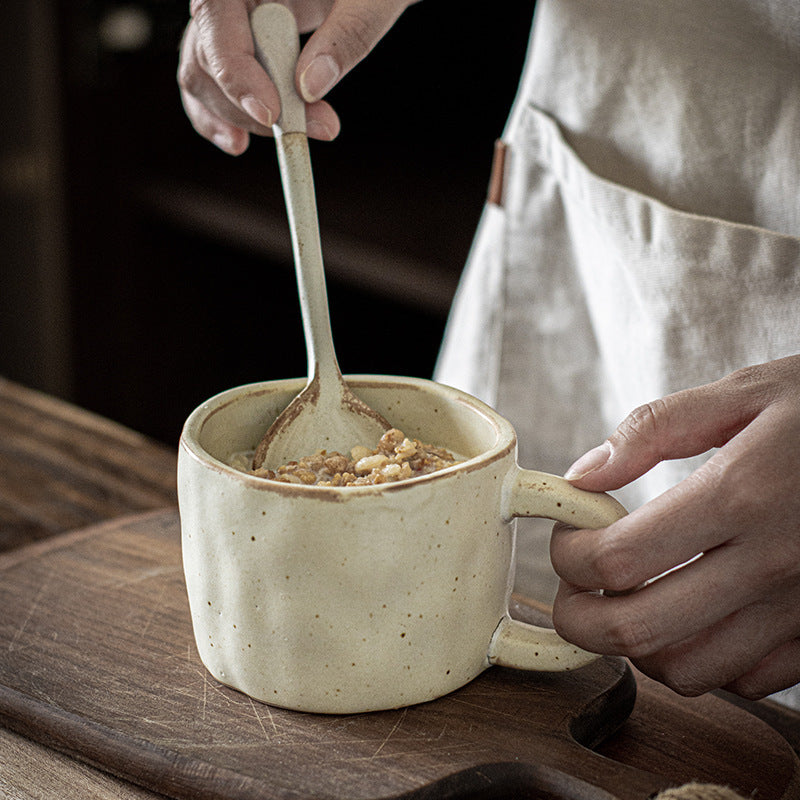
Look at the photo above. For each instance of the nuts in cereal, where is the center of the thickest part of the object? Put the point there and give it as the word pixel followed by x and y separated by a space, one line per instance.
pixel 396 458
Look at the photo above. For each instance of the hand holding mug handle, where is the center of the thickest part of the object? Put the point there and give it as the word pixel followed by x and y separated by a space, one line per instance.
pixel 537 494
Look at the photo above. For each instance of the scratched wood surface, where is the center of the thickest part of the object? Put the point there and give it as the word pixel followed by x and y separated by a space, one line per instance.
pixel 98 662
pixel 62 468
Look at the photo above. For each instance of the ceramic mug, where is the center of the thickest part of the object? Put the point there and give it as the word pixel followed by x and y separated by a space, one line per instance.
pixel 342 600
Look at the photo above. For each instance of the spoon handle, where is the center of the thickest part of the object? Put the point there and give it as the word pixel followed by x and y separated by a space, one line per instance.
pixel 277 46
pixel 298 189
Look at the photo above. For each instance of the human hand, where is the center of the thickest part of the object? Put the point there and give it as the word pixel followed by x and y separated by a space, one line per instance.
pixel 731 617
pixel 226 93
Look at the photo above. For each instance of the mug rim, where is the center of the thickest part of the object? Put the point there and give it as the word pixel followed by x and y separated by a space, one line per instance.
pixel 505 443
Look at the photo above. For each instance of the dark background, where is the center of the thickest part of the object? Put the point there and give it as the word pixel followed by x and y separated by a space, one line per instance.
pixel 143 270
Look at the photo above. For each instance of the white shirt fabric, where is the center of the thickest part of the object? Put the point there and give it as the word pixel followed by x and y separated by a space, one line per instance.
pixel 649 234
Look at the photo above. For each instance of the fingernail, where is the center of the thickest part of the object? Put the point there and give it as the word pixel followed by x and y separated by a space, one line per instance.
pixel 589 462
pixel 317 130
pixel 257 110
pixel 318 77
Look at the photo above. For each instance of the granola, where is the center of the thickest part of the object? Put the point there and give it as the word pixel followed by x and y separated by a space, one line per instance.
pixel 396 458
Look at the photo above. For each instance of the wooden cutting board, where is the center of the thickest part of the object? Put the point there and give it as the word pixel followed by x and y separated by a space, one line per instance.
pixel 97 660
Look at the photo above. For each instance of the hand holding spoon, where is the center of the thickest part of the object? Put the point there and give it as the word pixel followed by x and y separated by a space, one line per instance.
pixel 326 414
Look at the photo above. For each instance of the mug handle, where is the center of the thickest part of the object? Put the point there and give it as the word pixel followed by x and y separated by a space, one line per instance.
pixel 537 494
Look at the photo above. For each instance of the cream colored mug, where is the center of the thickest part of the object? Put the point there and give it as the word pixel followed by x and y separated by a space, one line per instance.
pixel 342 600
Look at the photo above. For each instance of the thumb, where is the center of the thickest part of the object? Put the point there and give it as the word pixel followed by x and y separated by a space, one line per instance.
pixel 349 33
pixel 679 425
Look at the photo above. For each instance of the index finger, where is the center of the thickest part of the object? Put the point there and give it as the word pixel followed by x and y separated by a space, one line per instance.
pixel 736 492
pixel 661 535
pixel 225 42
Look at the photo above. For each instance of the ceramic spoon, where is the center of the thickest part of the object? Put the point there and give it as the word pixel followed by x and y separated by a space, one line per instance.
pixel 326 414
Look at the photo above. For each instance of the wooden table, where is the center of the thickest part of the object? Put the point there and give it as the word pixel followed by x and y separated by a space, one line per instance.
pixel 62 469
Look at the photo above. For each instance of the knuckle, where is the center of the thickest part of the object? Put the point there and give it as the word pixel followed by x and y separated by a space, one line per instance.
pixel 188 79
pixel 677 670
pixel 201 8
pixel 226 72
pixel 355 36
pixel 733 489
pixel 685 682
pixel 570 625
pixel 758 383
pixel 630 635
pixel 614 564
pixel 355 32
pixel 749 687
pixel 644 423
pixel 746 378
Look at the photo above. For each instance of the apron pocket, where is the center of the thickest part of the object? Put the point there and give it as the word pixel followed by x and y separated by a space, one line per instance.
pixel 675 299
pixel 614 299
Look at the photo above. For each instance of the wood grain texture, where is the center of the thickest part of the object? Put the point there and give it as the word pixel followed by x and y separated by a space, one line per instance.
pixel 708 740
pixel 98 662
pixel 63 468
pixel 30 771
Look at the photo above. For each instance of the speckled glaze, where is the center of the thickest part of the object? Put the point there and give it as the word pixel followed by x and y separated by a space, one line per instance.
pixel 336 600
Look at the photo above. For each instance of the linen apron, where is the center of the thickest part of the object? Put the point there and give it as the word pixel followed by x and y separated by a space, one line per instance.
pixel 646 240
